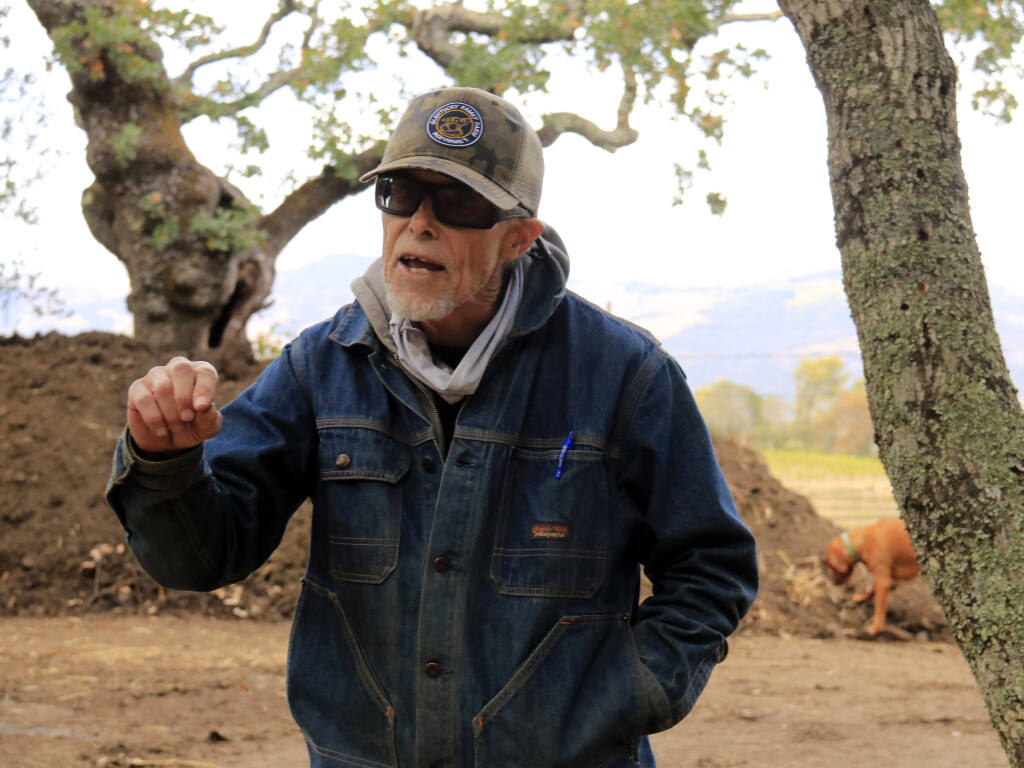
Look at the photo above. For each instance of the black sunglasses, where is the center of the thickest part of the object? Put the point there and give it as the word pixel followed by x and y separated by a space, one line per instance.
pixel 453 203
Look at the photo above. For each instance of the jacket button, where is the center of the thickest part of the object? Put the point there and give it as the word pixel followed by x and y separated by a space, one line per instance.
pixel 428 464
pixel 442 564
pixel 343 460
pixel 432 669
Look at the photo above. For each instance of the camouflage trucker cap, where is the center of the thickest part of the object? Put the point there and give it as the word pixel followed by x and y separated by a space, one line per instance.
pixel 473 136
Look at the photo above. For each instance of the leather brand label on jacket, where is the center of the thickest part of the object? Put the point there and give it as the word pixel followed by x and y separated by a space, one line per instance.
pixel 552 531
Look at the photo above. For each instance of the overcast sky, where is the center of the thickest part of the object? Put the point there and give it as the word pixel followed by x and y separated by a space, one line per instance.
pixel 614 211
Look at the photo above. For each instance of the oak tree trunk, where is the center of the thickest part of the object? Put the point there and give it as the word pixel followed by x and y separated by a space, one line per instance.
pixel 948 423
pixel 192 291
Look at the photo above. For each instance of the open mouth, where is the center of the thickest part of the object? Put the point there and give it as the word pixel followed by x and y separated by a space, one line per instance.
pixel 420 266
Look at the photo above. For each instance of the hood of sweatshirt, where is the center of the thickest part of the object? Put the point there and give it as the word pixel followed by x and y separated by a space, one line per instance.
pixel 546 270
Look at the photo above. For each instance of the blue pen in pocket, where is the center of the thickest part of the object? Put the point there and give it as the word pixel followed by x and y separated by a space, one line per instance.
pixel 566 446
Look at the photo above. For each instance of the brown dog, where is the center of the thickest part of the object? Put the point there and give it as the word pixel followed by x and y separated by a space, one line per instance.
pixel 885 548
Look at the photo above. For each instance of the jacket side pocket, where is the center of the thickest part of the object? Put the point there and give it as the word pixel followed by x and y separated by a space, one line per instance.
pixel 334 696
pixel 580 693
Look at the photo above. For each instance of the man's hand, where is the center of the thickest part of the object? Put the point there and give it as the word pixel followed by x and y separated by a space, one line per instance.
pixel 171 407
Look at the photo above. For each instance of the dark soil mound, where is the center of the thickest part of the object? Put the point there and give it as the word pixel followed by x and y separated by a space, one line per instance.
pixel 796 596
pixel 62 551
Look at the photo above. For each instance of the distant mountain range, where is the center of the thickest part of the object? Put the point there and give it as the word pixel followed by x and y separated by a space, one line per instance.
pixel 756 335
pixel 753 335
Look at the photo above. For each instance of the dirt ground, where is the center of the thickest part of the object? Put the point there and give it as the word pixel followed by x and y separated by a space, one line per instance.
pixel 202 693
pixel 99 666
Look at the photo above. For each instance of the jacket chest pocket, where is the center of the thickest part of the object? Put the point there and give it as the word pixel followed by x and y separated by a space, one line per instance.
pixel 552 532
pixel 360 470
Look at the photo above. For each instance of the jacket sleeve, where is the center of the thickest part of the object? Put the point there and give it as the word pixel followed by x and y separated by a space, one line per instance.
pixel 213 515
pixel 700 557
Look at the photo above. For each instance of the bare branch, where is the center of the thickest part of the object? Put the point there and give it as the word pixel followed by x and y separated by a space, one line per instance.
pixel 732 18
pixel 431 29
pixel 557 123
pixel 284 9
pixel 314 197
pixel 314 22
pixel 195 106
pixel 274 81
pixel 628 100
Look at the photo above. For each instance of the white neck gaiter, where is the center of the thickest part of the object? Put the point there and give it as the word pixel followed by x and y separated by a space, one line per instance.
pixel 414 351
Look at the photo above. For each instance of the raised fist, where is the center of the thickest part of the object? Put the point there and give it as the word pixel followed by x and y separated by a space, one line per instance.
pixel 171 408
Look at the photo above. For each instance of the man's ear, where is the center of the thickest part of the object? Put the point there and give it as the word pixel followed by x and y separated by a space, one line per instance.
pixel 521 236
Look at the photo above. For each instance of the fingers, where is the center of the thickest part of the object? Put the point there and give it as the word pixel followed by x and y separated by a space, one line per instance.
pixel 182 378
pixel 161 386
pixel 171 407
pixel 205 389
pixel 145 420
pixel 207 423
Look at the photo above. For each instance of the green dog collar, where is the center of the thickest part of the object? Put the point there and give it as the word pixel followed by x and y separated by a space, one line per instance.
pixel 849 548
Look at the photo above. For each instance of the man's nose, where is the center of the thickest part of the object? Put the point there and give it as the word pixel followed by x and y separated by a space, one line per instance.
pixel 423 219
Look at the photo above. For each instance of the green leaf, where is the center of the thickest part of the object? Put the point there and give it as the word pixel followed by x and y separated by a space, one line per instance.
pixel 229 230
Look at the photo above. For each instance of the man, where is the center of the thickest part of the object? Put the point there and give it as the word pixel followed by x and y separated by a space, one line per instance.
pixel 490 459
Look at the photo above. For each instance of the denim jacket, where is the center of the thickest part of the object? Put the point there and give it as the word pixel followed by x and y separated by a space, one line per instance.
pixel 478 608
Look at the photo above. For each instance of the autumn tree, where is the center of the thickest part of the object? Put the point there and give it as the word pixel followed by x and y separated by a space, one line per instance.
pixel 818 382
pixel 199 252
pixel 826 415
pixel 730 409
pixel 947 418
pixel 847 425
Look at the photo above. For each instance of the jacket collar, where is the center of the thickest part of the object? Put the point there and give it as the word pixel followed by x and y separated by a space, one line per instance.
pixel 546 272
pixel 355 327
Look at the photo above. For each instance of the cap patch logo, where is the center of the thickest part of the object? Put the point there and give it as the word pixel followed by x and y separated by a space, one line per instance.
pixel 455 124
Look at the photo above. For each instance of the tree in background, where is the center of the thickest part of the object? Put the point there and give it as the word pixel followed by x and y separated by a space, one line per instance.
pixel 199 253
pixel 950 428
pixel 731 409
pixel 818 383
pixel 847 424
pixel 825 416
pixel 19 110
pixel 734 410
pixel 774 431
pixel 20 288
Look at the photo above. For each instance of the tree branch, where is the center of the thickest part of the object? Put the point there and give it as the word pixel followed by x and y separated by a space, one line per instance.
pixel 284 9
pixel 193 106
pixel 557 123
pixel 274 81
pixel 314 197
pixel 732 18
pixel 314 22
pixel 430 29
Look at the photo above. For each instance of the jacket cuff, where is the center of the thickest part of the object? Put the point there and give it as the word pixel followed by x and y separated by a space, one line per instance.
pixel 154 474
